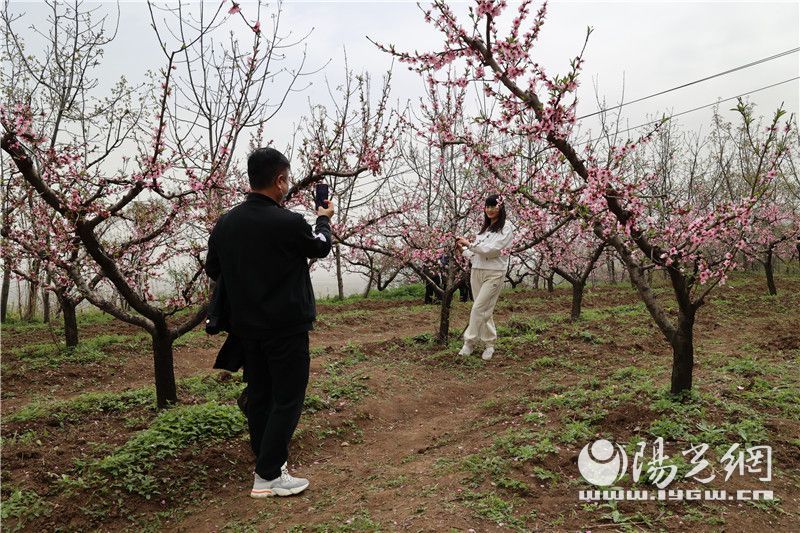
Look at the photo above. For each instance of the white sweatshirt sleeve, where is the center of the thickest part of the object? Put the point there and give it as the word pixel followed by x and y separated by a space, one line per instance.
pixel 491 245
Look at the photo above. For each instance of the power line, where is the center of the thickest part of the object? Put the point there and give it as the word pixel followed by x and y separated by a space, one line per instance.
pixel 507 141
pixel 698 108
pixel 748 65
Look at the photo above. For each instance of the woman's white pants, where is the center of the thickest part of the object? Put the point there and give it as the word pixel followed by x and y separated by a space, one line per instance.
pixel 486 287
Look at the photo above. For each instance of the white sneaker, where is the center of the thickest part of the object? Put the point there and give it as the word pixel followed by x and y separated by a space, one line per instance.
pixel 487 353
pixel 467 349
pixel 285 485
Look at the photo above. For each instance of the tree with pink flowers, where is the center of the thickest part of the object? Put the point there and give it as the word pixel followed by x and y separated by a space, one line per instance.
pixel 348 142
pixel 774 228
pixel 692 239
pixel 140 185
pixel 29 236
pixel 572 253
pixel 138 174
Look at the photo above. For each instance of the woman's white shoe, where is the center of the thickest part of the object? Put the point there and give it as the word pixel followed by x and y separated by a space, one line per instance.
pixel 487 353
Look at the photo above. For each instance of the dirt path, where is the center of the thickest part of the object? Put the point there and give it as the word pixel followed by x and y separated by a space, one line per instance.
pixel 390 472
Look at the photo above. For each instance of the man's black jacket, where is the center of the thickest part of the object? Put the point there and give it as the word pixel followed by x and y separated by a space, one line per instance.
pixel 261 251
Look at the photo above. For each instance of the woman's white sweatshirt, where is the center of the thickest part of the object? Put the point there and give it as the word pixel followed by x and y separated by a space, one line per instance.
pixel 487 247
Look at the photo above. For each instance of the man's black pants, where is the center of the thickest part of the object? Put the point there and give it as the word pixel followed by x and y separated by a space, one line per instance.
pixel 276 372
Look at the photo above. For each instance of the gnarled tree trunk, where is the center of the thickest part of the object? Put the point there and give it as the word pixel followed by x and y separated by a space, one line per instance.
pixel 33 292
pixel 4 294
pixel 337 253
pixel 683 353
pixel 368 288
pixel 68 307
pixel 166 391
pixel 46 306
pixel 577 299
pixel 769 269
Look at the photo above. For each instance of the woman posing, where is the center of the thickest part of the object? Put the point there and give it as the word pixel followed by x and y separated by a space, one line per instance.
pixel 488 274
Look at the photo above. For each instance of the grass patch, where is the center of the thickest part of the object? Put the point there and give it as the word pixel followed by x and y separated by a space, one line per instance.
pixel 313 403
pixel 360 521
pixel 483 465
pixel 494 508
pixel 130 466
pixel 590 315
pixel 669 429
pixel 413 291
pixel 340 385
pixel 79 407
pixel 524 444
pixel 222 387
pixel 84 318
pixel 576 431
pixel 39 355
pixel 188 338
pixel 24 506
pixel 749 430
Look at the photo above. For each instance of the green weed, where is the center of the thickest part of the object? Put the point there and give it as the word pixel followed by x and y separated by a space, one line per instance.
pixel 222 387
pixel 129 467
pixel 575 431
pixel 668 429
pixel 524 444
pixel 24 506
pixel 494 508
pixel 92 350
pixel 80 406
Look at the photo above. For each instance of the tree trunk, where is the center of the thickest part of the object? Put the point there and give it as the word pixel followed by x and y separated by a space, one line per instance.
pixel 769 268
pixel 19 299
pixel 550 286
pixel 365 294
pixel 611 268
pixel 46 306
pixel 683 353
pixel 444 317
pixel 797 246
pixel 166 393
pixel 33 291
pixel 447 281
pixel 337 253
pixel 4 295
pixel 577 299
pixel 70 322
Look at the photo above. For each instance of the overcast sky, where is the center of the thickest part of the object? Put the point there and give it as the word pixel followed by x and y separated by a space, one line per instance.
pixel 653 45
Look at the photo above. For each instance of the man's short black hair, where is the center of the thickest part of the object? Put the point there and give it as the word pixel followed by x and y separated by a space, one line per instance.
pixel 263 166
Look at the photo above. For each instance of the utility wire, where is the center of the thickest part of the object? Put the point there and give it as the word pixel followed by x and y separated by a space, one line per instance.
pixel 698 108
pixel 742 67
pixel 360 184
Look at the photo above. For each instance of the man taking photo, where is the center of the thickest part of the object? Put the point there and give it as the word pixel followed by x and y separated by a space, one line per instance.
pixel 261 251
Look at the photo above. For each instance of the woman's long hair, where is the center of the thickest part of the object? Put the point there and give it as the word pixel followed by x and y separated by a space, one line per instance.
pixel 491 201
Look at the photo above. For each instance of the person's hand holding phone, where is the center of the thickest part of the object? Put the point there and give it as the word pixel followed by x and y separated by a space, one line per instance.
pixel 326 210
pixel 323 203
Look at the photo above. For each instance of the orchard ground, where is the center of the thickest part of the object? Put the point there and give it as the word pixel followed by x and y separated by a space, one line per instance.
pixel 399 433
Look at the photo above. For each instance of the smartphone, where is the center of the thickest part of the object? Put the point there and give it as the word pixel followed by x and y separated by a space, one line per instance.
pixel 320 195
